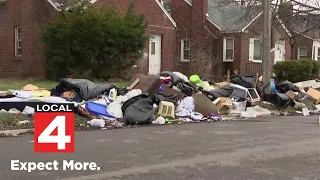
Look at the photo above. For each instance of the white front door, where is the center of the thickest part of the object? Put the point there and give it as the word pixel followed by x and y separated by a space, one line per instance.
pixel 316 51
pixel 154 54
pixel 279 51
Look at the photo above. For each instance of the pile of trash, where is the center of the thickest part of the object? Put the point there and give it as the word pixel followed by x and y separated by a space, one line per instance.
pixel 169 97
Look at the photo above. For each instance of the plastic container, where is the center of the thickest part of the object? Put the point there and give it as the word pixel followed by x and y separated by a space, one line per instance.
pixel 166 109
pixel 240 106
pixel 112 94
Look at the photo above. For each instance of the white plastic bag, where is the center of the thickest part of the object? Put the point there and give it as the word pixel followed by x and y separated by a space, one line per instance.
pixel 97 123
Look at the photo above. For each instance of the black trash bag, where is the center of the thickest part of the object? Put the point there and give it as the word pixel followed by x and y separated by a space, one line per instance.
pixel 281 100
pixel 122 91
pixel 132 100
pixel 245 81
pixel 186 88
pixel 214 94
pixel 248 82
pixel 158 97
pixel 285 86
pixel 138 110
pixel 223 92
pixel 210 96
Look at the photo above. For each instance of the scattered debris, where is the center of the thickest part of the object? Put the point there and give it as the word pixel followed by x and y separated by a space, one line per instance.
pixel 167 98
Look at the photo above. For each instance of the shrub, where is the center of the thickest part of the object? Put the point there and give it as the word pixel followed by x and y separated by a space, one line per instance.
pixel 297 70
pixel 93 42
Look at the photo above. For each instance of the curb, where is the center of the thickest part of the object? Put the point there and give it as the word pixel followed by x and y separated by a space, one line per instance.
pixel 14 133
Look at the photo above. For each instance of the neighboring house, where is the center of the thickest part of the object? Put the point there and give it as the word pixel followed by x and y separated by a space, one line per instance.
pixel 20 47
pixel 21 50
pixel 306 44
pixel 228 34
pixel 161 34
pixel 305 29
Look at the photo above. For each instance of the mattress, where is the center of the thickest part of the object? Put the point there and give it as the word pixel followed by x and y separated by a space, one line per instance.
pixel 50 99
pixel 20 103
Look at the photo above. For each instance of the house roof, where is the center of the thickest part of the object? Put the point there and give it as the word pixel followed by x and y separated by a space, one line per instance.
pixel 65 4
pixel 61 3
pixel 307 25
pixel 230 17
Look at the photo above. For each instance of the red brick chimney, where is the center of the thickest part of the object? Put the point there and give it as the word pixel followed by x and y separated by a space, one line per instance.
pixel 199 12
pixel 285 13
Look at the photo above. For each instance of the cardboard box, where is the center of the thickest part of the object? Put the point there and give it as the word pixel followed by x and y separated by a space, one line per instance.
pixel 223 105
pixel 314 94
pixel 147 83
pixel 291 94
pixel 169 92
pixel 203 104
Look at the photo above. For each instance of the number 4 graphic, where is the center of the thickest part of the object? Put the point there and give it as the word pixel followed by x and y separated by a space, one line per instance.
pixel 61 139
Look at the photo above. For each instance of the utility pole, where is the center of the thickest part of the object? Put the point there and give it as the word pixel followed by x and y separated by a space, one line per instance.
pixel 266 44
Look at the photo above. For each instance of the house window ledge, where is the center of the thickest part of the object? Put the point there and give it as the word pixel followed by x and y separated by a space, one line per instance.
pixel 256 61
pixel 228 60
pixel 185 60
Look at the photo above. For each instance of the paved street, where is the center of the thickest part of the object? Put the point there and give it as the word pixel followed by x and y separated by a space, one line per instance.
pixel 280 148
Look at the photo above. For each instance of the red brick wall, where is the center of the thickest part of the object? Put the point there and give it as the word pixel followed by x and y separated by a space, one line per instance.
pixel 192 23
pixel 158 23
pixel 29 16
pixel 181 13
pixel 301 41
pixel 199 11
pixel 232 66
pixel 32 15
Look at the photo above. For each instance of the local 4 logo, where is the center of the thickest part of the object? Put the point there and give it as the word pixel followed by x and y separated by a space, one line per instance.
pixel 54 128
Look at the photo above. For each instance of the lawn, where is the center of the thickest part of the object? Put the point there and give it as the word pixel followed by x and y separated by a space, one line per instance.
pixel 15 84
pixel 10 121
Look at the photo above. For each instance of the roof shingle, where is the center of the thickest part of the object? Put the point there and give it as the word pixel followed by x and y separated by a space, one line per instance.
pixel 230 17
pixel 308 25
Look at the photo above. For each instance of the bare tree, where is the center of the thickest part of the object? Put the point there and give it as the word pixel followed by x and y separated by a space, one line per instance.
pixel 301 15
pixel 202 62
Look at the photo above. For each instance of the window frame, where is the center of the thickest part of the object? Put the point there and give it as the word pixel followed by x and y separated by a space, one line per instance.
pixel 17 41
pixel 251 50
pixel 299 55
pixel 225 49
pixel 182 49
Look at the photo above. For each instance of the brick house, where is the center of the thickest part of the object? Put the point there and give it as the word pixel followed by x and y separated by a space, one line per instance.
pixel 306 43
pixel 161 32
pixel 20 47
pixel 21 21
pixel 226 34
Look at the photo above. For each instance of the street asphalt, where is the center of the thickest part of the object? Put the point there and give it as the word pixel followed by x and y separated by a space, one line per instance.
pixel 277 148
